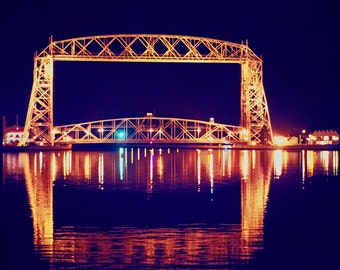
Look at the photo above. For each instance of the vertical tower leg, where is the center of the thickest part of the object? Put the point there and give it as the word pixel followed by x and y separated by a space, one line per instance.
pixel 254 107
pixel 39 119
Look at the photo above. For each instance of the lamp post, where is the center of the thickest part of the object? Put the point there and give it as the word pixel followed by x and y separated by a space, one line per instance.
pixel 302 136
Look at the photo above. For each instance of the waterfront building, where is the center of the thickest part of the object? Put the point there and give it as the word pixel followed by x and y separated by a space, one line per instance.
pixel 323 137
pixel 13 135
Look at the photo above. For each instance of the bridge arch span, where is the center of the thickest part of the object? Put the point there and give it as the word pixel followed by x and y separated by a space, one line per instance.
pixel 150 129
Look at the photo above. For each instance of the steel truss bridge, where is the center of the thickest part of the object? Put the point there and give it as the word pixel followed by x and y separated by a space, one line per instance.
pixel 255 127
pixel 150 129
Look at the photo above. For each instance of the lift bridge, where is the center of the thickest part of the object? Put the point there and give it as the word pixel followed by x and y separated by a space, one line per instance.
pixel 255 127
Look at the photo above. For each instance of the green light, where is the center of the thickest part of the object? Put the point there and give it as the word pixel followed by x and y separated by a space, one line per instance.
pixel 120 135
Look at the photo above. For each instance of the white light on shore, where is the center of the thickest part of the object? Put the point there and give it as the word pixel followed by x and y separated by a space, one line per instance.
pixel 280 140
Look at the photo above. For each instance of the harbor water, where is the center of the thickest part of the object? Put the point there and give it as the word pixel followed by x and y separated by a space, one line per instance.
pixel 154 208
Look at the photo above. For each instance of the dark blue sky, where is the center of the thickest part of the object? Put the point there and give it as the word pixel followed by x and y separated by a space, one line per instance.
pixel 298 41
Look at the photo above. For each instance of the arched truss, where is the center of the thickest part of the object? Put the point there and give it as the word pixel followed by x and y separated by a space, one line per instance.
pixel 150 129
pixel 148 48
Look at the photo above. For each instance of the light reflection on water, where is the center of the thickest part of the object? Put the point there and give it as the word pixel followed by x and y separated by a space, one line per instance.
pixel 193 239
pixel 153 247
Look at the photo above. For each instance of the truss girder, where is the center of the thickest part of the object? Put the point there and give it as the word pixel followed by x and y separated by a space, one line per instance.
pixel 147 48
pixel 134 47
pixel 149 130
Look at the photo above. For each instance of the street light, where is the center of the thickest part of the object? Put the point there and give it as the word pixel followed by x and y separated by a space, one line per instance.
pixel 303 136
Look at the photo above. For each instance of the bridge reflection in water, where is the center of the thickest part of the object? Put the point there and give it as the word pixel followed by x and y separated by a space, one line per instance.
pixel 154 173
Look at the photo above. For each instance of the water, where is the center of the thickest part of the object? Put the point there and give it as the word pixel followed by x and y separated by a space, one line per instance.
pixel 136 208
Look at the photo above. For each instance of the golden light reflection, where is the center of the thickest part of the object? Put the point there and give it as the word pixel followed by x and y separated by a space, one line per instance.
pixel 254 192
pixel 40 194
pixel 157 247
pixel 211 171
pixel 53 167
pixel 101 170
pixel 67 163
pixel 325 160
pixel 335 163
pixel 160 166
pixel 125 158
pixel 253 159
pixel 303 167
pixel 12 165
pixel 319 162
pixel 223 162
pixel 278 161
pixel 229 163
pixel 150 184
pixel 87 167
pixel 131 156
pixel 41 169
pixel 35 164
pixel 244 164
pixel 41 163
pixel 310 163
pixel 254 196
pixel 198 170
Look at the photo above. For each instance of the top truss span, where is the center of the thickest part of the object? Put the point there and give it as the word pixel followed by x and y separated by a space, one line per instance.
pixel 148 48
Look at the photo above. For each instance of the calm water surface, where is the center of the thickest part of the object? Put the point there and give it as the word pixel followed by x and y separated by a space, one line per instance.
pixel 136 208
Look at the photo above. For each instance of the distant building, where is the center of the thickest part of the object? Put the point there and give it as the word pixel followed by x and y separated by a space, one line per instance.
pixel 323 137
pixel 13 135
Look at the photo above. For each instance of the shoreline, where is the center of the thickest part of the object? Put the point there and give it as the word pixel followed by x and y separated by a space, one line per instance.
pixel 108 147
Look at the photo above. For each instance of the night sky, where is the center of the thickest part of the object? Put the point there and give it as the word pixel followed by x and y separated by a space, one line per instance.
pixel 298 41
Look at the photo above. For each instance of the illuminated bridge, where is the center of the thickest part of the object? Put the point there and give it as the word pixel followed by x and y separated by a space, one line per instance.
pixel 255 127
pixel 150 129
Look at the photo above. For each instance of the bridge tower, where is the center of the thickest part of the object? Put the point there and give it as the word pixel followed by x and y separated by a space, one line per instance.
pixel 254 108
pixel 254 119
